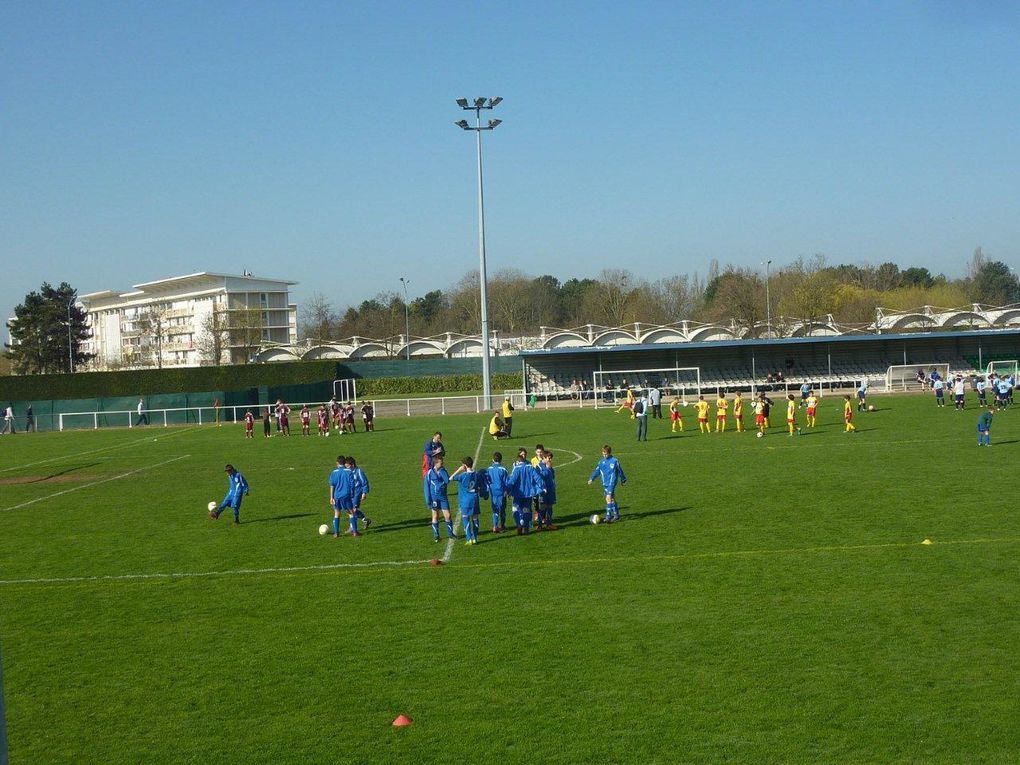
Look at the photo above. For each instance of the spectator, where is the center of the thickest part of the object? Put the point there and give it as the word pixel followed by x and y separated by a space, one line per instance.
pixel 143 417
pixel 29 420
pixel 8 420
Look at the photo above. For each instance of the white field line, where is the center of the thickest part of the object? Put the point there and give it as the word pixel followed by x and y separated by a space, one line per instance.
pixel 93 451
pixel 499 564
pixel 93 483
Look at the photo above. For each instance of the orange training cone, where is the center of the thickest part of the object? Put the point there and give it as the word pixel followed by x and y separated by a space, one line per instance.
pixel 401 721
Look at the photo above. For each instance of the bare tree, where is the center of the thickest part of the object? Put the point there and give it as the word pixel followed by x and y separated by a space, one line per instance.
pixel 245 331
pixel 609 300
pixel 152 326
pixel 466 304
pixel 510 299
pixel 213 337
pixel 318 319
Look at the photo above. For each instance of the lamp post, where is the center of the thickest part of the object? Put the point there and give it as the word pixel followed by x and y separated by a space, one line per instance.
pixel 70 351
pixel 768 301
pixel 407 319
pixel 476 106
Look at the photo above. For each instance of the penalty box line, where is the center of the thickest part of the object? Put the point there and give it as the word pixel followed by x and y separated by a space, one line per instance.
pixel 397 564
pixel 93 483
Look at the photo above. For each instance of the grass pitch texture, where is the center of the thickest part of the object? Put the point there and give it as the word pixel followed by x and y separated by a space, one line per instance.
pixel 762 600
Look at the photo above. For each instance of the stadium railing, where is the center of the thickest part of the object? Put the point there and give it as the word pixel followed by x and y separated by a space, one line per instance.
pixel 206 415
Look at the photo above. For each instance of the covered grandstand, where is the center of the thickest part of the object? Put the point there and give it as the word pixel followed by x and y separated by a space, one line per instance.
pixel 738 364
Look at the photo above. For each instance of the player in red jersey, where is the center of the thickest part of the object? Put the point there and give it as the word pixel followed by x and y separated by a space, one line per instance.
pixel 249 424
pixel 323 420
pixel 334 411
pixel 306 420
pixel 349 418
pixel 283 417
pixel 368 415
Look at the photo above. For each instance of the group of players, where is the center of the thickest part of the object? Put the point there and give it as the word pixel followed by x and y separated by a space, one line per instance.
pixel 332 414
pixel 761 405
pixel 1000 386
pixel 529 485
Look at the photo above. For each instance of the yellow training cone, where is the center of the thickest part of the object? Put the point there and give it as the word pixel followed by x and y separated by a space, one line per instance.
pixel 926 542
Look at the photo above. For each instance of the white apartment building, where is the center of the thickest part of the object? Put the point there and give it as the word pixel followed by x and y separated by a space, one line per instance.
pixel 189 321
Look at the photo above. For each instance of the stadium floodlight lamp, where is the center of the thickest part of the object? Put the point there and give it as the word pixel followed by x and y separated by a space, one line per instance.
pixel 480 102
pixel 493 123
pixel 462 124
pixel 463 103
pixel 495 101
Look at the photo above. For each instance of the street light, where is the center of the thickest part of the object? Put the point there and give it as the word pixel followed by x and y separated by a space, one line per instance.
pixel 768 301
pixel 70 352
pixel 407 320
pixel 479 104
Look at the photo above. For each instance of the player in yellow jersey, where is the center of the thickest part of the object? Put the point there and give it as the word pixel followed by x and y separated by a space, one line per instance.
pixel 791 413
pixel 628 404
pixel 848 415
pixel 721 405
pixel 759 415
pixel 811 402
pixel 702 408
pixel 675 416
pixel 738 412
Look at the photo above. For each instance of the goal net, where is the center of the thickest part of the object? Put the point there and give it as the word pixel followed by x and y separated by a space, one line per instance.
pixel 905 377
pixel 1002 368
pixel 345 389
pixel 611 386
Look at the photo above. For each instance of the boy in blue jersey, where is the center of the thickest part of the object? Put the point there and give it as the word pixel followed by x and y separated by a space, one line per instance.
pixel 361 489
pixel 548 499
pixel 237 489
pixel 497 478
pixel 433 448
pixel 341 495
pixel 436 483
pixel 525 485
pixel 611 473
pixel 984 427
pixel 471 488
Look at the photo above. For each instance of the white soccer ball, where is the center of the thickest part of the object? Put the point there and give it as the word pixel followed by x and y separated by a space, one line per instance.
pixel 323 529
pixel 596 519
pixel 760 434
pixel 212 507
pixel 327 434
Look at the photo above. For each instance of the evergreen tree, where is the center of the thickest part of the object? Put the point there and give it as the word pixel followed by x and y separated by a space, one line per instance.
pixel 40 332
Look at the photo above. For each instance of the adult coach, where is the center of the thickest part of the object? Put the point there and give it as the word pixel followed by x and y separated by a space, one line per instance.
pixel 433 448
pixel 142 416
pixel 655 399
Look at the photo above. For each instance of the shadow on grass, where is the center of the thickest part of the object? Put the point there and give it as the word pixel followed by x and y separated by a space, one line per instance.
pixel 279 518
pixel 51 476
pixel 581 519
pixel 382 528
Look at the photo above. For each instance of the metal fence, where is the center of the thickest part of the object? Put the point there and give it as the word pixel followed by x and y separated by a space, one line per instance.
pixel 207 415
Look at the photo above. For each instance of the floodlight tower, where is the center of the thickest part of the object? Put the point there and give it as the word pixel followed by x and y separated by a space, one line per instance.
pixel 477 106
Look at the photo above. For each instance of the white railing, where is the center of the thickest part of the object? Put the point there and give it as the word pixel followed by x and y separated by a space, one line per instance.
pixel 206 415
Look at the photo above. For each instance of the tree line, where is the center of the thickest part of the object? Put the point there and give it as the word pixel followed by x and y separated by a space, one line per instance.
pixel 807 288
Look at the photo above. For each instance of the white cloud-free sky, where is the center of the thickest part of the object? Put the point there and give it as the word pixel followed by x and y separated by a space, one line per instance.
pixel 315 141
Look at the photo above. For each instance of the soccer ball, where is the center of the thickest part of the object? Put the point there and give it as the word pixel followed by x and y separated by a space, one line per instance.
pixel 327 434
pixel 595 519
pixel 871 407
pixel 323 529
pixel 760 435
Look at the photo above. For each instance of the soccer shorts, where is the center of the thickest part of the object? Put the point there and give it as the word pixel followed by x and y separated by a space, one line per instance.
pixel 982 428
pixel 702 419
pixel 959 398
pixel 720 416
pixel 344 503
pixel 440 504
pixel 759 419
pixel 674 416
pixel 861 395
pixel 498 503
pixel 811 411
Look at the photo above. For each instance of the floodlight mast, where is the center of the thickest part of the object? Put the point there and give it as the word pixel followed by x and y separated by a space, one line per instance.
pixel 477 106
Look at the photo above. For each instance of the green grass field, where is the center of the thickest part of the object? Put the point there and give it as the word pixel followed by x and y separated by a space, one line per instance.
pixel 762 600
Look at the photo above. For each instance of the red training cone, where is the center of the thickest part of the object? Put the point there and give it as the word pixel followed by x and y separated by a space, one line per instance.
pixel 435 562
pixel 401 721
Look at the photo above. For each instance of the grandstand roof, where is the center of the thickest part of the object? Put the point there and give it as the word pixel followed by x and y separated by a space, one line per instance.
pixel 766 342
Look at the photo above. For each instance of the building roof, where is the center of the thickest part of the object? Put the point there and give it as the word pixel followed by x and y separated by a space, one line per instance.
pixel 764 342
pixel 187 280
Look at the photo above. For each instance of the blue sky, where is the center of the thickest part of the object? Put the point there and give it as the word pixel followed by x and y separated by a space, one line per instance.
pixel 315 141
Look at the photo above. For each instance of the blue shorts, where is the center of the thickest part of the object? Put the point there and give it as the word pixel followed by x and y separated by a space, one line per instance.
pixel 344 503
pixel 440 504
pixel 959 397
pixel 938 394
pixel 498 502
pixel 862 394
pixel 982 429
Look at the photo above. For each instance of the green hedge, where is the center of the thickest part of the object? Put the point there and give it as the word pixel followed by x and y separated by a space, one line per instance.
pixel 190 380
pixel 144 382
pixel 386 386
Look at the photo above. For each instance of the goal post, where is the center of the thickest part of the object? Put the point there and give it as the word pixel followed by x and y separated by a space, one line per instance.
pixel 609 385
pixel 345 389
pixel 1002 368
pixel 904 377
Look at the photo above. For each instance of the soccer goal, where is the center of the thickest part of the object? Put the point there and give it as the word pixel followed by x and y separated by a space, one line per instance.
pixel 1002 368
pixel 904 377
pixel 610 386
pixel 345 389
